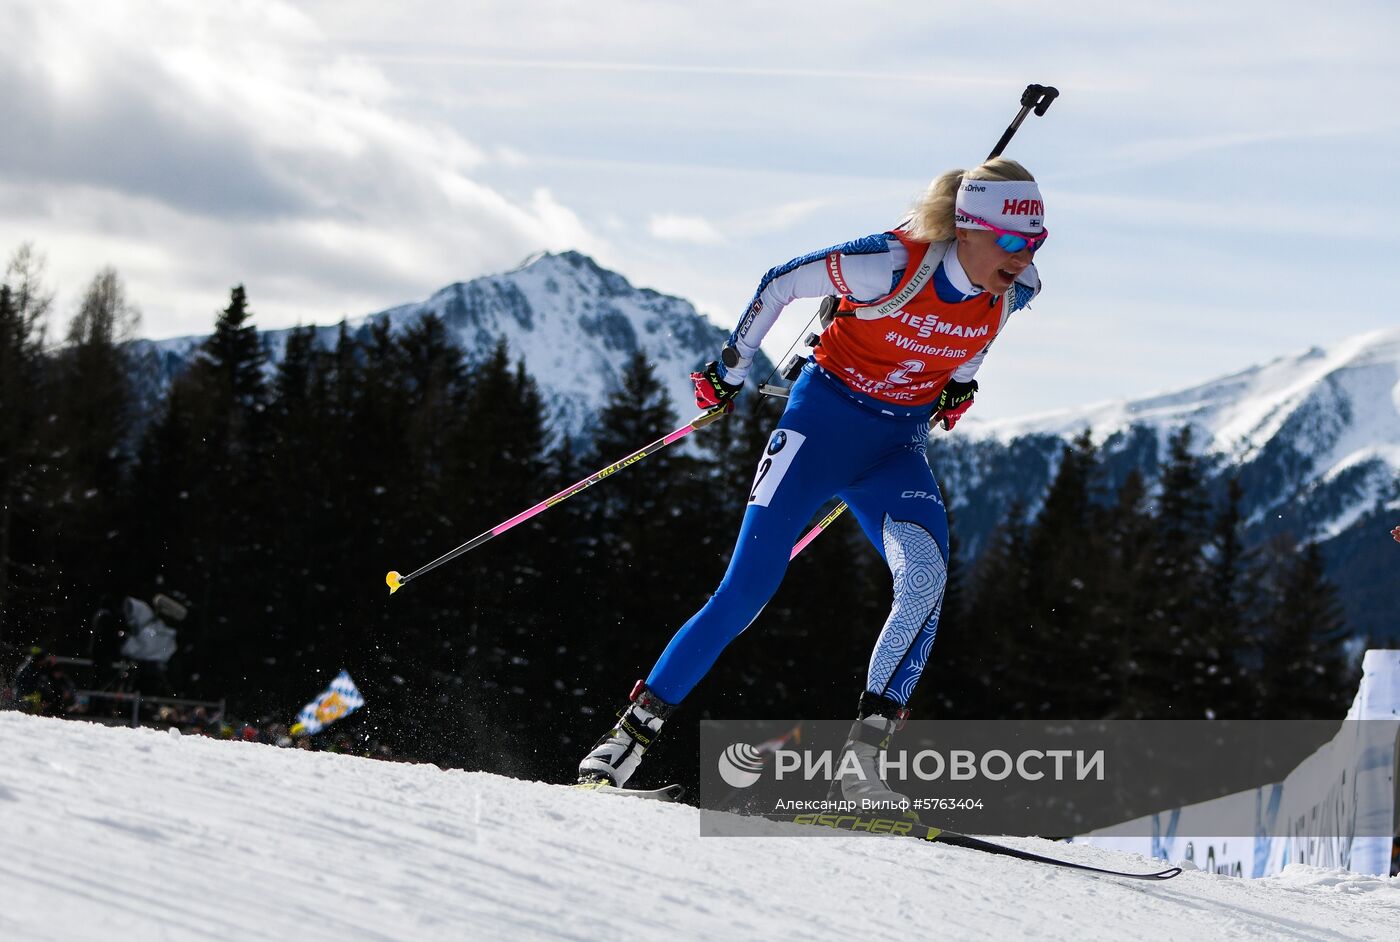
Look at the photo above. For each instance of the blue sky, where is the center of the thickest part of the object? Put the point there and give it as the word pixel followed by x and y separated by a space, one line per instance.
pixel 1219 177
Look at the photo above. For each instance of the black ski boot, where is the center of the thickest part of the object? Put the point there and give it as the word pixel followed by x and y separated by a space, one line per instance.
pixel 617 754
pixel 857 773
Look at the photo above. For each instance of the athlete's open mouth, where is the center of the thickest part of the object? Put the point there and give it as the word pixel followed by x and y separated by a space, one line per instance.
pixel 1006 275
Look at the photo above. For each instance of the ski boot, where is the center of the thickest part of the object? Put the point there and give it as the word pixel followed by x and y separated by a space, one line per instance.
pixel 858 779
pixel 620 751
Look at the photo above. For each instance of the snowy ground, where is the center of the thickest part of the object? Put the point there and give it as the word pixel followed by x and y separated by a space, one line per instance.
pixel 120 834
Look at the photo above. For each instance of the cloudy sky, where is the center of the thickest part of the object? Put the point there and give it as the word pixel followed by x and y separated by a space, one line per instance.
pixel 1219 177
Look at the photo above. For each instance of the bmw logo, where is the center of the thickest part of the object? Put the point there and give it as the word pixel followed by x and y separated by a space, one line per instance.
pixel 779 440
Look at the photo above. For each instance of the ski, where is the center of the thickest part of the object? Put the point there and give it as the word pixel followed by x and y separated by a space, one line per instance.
pixel 665 793
pixel 924 832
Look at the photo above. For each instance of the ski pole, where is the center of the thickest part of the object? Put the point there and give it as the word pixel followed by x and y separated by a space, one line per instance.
pixel 396 581
pixel 1038 97
pixel 816 531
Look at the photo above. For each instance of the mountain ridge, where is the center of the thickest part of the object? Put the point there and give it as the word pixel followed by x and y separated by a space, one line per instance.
pixel 573 322
pixel 1314 421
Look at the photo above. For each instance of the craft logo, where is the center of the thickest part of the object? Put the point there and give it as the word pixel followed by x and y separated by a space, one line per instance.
pixel 779 440
pixel 740 765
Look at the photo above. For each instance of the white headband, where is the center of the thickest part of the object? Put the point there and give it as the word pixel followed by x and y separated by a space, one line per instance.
pixel 1010 204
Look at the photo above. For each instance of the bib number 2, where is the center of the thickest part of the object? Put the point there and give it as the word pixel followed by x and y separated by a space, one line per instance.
pixel 777 458
pixel 900 375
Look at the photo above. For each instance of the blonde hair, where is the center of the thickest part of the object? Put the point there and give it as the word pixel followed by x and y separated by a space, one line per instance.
pixel 931 218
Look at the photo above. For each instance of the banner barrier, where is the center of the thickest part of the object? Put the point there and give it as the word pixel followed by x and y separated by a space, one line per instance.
pixel 1338 809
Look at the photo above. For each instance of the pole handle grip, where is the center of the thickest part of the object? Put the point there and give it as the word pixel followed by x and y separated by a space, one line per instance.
pixel 714 415
pixel 1039 97
pixel 1035 97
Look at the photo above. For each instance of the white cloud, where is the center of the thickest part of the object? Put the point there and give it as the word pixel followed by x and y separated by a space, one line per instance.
pixel 165 129
pixel 674 227
pixel 776 218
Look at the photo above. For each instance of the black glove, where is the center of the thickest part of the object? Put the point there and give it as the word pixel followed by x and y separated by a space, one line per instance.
pixel 711 391
pixel 953 401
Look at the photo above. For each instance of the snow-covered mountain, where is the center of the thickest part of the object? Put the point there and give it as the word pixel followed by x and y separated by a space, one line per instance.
pixel 127 834
pixel 1314 439
pixel 1322 426
pixel 573 322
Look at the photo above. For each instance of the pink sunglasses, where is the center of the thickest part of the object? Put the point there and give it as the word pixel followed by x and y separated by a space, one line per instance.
pixel 1009 241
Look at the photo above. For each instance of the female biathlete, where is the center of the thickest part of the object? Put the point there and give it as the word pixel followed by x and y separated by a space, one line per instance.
pixel 919 307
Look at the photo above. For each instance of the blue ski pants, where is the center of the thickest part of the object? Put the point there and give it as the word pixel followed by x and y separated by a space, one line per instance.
pixel 831 442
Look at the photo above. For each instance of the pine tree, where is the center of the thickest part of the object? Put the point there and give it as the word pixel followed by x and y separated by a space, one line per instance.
pixel 1128 588
pixel 1061 665
pixel 94 408
pixel 232 507
pixel 94 385
pixel 1305 670
pixel 637 511
pixel 300 459
pixel 406 390
pixel 1224 684
pixel 577 671
pixel 500 469
pixel 434 372
pixel 26 580
pixel 21 398
pixel 998 615
pixel 501 449
pixel 30 297
pixel 1169 649
pixel 234 359
pixel 377 496
pixel 166 468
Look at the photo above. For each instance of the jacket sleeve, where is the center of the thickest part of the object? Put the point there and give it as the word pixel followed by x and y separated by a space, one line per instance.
pixel 863 270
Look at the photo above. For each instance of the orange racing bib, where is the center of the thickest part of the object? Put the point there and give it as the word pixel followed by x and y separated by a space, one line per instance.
pixel 908 356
